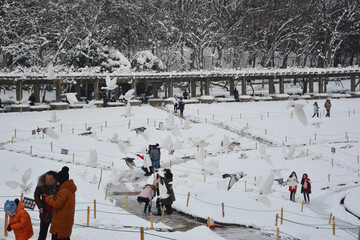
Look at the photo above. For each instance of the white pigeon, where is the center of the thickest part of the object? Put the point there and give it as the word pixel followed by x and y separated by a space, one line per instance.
pixel 54 118
pixel 127 112
pixel 50 71
pixel 110 83
pixel 221 186
pixel 265 190
pixel 263 155
pixel 93 158
pixel 71 97
pixel 51 133
pixel 24 101
pixel 290 154
pixel 128 95
pixel 24 186
pixel 123 148
pixel 210 168
pixel 90 105
pixel 146 135
pixel 299 111
pixel 114 139
pixel 170 121
pixel 187 124
pixel 226 143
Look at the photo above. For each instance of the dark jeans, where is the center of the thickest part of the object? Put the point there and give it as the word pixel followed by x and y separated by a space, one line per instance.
pixel 54 237
pixel 306 195
pixel 44 227
pixel 292 196
pixel 155 165
pixel 146 201
pixel 327 113
pixel 317 114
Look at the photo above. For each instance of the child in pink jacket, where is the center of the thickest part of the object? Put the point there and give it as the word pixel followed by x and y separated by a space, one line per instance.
pixel 146 196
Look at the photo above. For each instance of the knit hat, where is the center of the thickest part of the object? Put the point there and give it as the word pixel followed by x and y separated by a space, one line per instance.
pixel 63 175
pixel 10 207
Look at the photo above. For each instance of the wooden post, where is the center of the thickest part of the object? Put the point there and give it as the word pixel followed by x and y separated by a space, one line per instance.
pixel 85 126
pixel 282 215
pixel 154 123
pixel 223 209
pixel 332 162
pixel 277 234
pixel 240 115
pixel 307 152
pixel 147 122
pixel 106 191
pixel 256 146
pixel 261 117
pixel 309 141
pixel 129 123
pixel 100 179
pixel 51 146
pixel 245 185
pixel 286 139
pixel 162 214
pixel 206 120
pixel 302 206
pixel 184 158
pixel 101 128
pixel 227 127
pixel 347 139
pixel 60 127
pixel 88 216
pixel 315 137
pixel 255 181
pixel 208 222
pixel 42 135
pixel 22 197
pixel 276 219
pixel 126 202
pixel 188 198
pixel 152 221
pixel 12 141
pixel 170 163
pixel 73 158
pixel 72 130
pixel 15 133
pixel 94 208
pixel 142 233
pixel 213 117
pixel 204 178
pixel 105 124
pixel 30 150
pixel 330 218
pixel 268 114
pixel 265 131
pixel 333 227
pixel 6 224
pixel 329 177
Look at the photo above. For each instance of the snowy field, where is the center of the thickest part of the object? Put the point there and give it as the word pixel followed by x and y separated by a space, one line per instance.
pixel 265 140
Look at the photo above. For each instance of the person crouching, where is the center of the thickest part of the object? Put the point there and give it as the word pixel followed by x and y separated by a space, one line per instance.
pixel 146 197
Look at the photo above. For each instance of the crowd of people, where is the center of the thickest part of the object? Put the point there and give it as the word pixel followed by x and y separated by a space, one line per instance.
pixel 55 198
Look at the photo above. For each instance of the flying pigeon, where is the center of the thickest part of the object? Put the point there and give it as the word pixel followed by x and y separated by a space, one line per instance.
pixel 91 104
pixel 290 154
pixel 51 133
pixel 24 101
pixel 54 118
pixel 123 148
pixel 50 71
pixel 71 98
pixel 128 95
pixel 93 158
pixel 110 83
pixel 265 190
pixel 233 178
pixel 263 155
pixel 130 162
pixel 24 186
pixel 127 110
pixel 210 168
pixel 290 182
pixel 299 111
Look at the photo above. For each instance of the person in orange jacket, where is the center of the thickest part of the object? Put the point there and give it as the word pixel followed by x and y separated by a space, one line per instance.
pixel 20 220
pixel 63 206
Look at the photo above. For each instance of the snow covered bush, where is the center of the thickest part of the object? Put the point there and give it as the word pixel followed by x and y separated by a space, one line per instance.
pixel 145 60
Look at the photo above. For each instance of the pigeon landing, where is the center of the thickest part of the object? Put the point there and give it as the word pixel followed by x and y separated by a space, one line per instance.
pixel 71 98
pixel 24 186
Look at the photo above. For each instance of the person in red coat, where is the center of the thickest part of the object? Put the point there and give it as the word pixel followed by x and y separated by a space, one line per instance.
pixel 306 187
pixel 20 220
pixel 292 182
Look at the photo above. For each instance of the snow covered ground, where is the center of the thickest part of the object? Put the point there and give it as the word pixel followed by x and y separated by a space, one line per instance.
pixel 268 126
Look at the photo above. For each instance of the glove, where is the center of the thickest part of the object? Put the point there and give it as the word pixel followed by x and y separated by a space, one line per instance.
pixel 8 228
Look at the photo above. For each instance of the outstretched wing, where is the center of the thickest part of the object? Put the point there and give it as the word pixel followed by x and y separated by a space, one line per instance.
pixel 26 176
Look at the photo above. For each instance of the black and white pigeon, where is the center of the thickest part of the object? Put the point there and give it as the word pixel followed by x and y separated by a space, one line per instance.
pixel 130 162
pixel 233 178
pixel 139 130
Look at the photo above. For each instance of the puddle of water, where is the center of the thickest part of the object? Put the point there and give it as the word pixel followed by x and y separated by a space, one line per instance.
pixel 181 222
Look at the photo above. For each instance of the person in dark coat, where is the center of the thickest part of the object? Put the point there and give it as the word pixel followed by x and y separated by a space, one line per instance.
pixel 32 99
pixel 186 95
pixel 165 177
pixel 155 154
pixel 236 94
pixel 306 187
pixel 46 186
pixel 105 100
pixel 181 108
pixel 327 106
